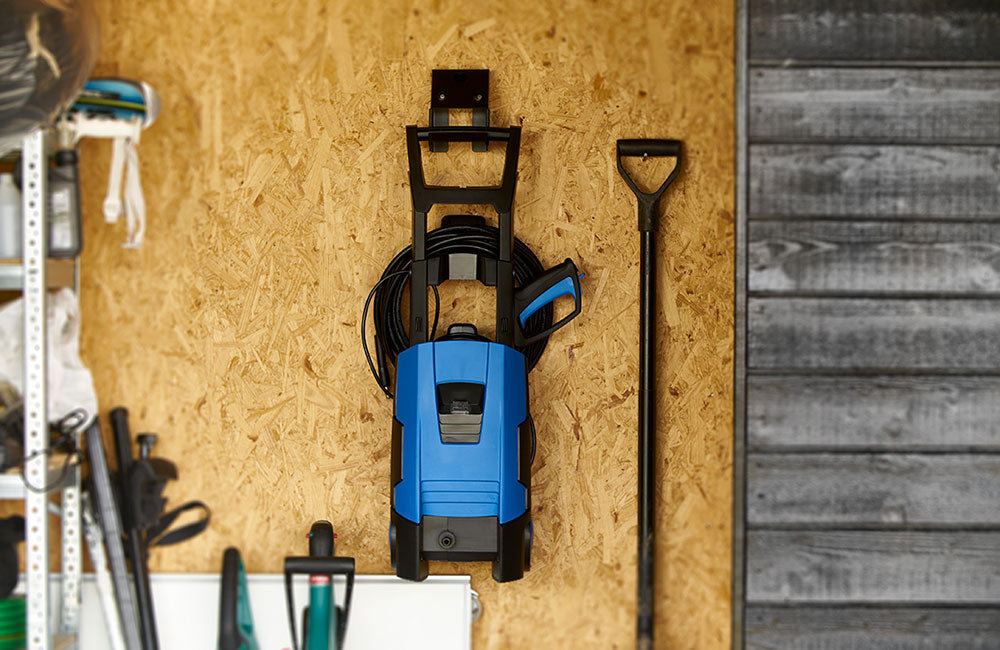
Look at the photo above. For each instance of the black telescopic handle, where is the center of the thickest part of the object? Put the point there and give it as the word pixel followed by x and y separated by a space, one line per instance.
pixel 647 147
pixel 424 196
pixel 123 440
pixel 647 441
pixel 648 213
pixel 135 544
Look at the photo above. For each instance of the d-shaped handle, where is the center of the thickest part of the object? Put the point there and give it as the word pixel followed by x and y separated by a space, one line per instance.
pixel 319 566
pixel 648 201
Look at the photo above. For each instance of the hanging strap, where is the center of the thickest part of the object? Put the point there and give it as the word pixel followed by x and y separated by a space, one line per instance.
pixel 125 163
pixel 159 537
pixel 135 202
pixel 113 200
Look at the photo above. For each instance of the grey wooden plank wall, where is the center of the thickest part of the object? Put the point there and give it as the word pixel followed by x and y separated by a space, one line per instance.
pixel 871 397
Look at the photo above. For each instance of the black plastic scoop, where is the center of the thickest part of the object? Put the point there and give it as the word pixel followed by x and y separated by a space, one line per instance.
pixel 649 204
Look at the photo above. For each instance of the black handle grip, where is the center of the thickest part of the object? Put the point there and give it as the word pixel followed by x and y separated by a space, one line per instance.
pixel 230 637
pixel 462 134
pixel 426 196
pixel 119 425
pixel 123 452
pixel 648 201
pixel 649 147
pixel 321 539
pixel 319 565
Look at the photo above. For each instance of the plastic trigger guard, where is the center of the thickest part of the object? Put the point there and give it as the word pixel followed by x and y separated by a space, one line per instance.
pixel 560 280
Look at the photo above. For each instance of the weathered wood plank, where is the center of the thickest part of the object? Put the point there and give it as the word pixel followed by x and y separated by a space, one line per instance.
pixel 850 333
pixel 874 181
pixel 873 566
pixel 737 564
pixel 873 489
pixel 874 256
pixel 914 413
pixel 892 105
pixel 870 628
pixel 910 30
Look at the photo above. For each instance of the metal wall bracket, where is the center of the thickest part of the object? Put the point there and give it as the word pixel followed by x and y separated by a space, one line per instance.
pixel 460 89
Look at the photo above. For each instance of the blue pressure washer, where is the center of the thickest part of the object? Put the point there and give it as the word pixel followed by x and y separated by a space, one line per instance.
pixel 462 438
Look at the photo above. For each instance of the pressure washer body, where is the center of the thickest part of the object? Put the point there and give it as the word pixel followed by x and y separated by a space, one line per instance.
pixel 462 437
pixel 462 457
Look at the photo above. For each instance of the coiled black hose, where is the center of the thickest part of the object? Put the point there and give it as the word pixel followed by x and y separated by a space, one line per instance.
pixel 391 336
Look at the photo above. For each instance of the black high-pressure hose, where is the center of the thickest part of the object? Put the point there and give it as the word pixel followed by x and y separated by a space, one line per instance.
pixel 391 337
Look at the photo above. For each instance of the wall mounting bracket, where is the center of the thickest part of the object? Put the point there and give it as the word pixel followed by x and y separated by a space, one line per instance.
pixel 460 89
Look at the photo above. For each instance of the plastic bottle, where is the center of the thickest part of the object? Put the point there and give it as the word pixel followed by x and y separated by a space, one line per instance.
pixel 64 206
pixel 10 218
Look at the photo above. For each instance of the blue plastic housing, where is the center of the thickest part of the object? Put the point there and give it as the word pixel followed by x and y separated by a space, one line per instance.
pixel 461 479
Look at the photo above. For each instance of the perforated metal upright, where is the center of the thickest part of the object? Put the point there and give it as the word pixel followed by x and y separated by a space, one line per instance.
pixel 35 405
pixel 36 429
pixel 69 621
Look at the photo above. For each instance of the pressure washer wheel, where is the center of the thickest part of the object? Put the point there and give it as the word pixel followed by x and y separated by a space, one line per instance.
pixel 392 546
pixel 529 535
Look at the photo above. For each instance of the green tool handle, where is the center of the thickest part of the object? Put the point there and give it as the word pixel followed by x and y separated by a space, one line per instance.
pixel 325 567
pixel 320 633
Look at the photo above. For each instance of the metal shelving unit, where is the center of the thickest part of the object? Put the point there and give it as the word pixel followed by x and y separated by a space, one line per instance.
pixel 36 427
pixel 12 488
pixel 58 273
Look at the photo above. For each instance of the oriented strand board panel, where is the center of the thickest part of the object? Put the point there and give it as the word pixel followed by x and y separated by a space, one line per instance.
pixel 277 192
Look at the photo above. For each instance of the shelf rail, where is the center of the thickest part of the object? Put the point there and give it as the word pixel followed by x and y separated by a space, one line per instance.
pixel 36 427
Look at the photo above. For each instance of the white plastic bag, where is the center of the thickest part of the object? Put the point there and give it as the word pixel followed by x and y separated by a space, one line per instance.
pixel 70 385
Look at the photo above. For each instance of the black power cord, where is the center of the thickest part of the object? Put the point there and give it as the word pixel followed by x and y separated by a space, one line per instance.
pixel 391 336
pixel 64 440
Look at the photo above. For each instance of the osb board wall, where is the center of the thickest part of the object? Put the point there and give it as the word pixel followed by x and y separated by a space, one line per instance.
pixel 277 192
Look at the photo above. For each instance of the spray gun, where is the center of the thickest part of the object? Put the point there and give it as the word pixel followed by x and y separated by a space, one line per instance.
pixel 118 109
